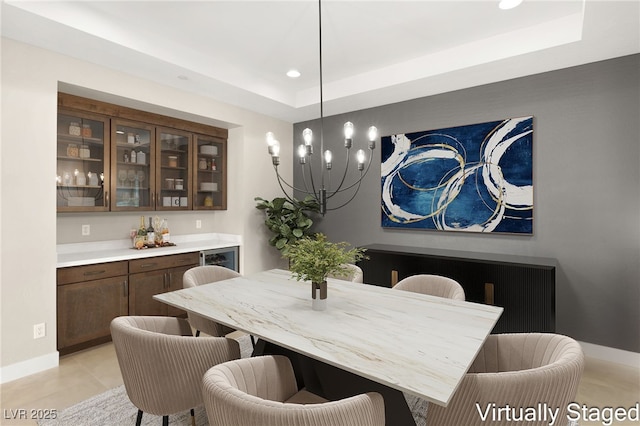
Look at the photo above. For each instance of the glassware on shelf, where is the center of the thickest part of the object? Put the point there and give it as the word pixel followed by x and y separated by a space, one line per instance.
pixel 122 176
pixel 81 179
pixel 74 129
pixel 72 150
pixel 84 151
pixel 131 175
pixel 141 176
pixel 93 179
pixel 136 191
pixel 66 178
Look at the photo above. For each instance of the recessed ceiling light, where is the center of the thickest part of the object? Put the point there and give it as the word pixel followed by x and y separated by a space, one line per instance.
pixel 293 73
pixel 509 4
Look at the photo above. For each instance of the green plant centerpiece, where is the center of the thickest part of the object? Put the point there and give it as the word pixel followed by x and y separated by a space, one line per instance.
pixel 287 220
pixel 313 258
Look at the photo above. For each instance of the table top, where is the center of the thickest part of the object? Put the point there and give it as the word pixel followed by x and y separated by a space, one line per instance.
pixel 419 344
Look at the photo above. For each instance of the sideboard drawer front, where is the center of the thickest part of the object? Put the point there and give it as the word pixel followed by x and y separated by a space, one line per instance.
pixel 76 274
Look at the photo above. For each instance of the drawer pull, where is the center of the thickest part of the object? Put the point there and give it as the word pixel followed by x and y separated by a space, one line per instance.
pixel 125 286
pixel 489 294
pixel 148 265
pixel 394 277
pixel 90 273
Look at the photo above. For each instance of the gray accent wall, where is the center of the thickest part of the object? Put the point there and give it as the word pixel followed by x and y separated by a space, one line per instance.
pixel 586 186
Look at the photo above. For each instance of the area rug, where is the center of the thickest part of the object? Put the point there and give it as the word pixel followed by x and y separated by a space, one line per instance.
pixel 113 407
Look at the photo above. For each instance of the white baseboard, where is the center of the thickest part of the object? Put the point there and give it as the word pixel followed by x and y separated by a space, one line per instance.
pixel 29 367
pixel 605 353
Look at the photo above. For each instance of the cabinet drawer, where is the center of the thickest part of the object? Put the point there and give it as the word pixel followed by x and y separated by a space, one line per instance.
pixel 163 262
pixel 76 274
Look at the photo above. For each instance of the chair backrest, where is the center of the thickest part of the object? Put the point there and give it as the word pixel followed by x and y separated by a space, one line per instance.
pixel 515 370
pixel 206 274
pixel 434 285
pixel 353 273
pixel 162 364
pixel 254 391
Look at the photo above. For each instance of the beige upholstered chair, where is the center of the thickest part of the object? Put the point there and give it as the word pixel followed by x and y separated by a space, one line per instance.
pixel 434 285
pixel 203 275
pixel 262 391
pixel 354 274
pixel 518 370
pixel 162 364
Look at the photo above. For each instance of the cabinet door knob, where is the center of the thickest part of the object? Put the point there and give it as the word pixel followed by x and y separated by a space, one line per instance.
pixel 106 199
pixel 125 286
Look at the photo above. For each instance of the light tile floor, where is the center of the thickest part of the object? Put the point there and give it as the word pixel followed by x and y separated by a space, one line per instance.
pixel 93 371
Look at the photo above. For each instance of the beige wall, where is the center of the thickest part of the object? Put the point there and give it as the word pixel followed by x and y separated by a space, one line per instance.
pixel 30 227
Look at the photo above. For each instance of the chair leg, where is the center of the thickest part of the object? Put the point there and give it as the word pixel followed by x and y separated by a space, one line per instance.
pixel 193 417
pixel 197 333
pixel 139 418
pixel 165 420
pixel 253 341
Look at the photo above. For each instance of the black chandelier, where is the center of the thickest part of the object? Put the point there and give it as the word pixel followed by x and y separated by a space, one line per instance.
pixel 320 189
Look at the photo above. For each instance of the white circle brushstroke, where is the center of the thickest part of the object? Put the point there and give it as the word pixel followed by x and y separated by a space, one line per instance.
pixel 515 197
pixel 504 194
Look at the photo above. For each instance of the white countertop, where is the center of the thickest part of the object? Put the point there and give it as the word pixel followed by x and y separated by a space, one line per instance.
pixel 419 344
pixel 78 254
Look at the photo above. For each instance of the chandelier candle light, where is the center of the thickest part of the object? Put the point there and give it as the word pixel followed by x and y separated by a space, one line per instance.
pixel 323 192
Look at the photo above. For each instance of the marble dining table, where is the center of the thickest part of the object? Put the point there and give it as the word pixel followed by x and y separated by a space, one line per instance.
pixel 404 342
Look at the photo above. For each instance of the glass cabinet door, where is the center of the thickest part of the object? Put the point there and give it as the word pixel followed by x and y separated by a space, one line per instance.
pixel 132 148
pixel 173 170
pixel 82 154
pixel 210 174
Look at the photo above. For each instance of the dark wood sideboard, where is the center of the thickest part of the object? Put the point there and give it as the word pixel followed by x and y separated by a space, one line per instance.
pixel 523 286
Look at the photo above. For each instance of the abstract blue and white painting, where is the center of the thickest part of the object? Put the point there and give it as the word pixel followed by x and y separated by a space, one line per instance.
pixel 473 178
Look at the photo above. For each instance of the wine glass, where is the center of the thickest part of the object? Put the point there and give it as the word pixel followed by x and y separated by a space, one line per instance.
pixel 122 176
pixel 141 176
pixel 131 174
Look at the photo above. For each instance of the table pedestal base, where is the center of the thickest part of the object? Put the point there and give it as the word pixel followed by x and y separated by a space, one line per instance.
pixel 334 383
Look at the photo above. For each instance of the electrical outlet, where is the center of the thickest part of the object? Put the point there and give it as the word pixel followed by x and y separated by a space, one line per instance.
pixel 198 224
pixel 86 229
pixel 39 331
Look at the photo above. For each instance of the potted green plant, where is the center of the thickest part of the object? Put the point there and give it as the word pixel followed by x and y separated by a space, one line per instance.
pixel 313 258
pixel 287 220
